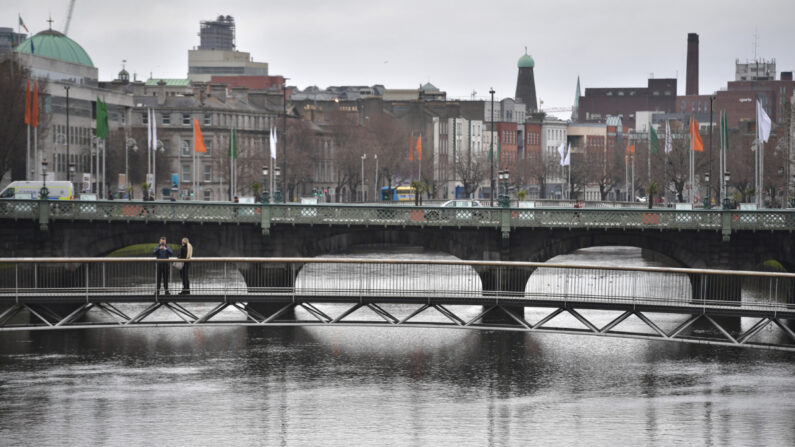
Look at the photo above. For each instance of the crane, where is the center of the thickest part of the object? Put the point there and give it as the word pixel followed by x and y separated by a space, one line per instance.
pixel 69 16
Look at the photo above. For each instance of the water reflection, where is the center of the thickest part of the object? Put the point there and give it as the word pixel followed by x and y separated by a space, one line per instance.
pixel 376 386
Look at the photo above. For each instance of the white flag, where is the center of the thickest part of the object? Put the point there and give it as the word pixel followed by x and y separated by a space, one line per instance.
pixel 154 131
pixel 668 144
pixel 149 128
pixel 762 123
pixel 273 143
pixel 567 161
pixel 562 152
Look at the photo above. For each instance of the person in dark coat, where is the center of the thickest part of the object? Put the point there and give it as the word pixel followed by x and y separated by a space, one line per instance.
pixel 163 251
pixel 185 252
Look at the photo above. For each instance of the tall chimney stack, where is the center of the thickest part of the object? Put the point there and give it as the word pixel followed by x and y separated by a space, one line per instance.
pixel 691 84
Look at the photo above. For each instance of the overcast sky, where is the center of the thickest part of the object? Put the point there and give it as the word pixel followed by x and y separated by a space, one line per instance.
pixel 459 46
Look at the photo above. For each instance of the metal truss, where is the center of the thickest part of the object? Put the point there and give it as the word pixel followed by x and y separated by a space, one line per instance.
pixel 493 317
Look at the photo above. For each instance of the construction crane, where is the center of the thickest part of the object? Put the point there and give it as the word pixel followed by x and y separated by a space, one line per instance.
pixel 69 16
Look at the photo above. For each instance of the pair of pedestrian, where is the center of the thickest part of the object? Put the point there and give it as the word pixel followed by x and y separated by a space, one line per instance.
pixel 163 251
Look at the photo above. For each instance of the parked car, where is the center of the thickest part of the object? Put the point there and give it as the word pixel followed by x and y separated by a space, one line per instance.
pixel 462 209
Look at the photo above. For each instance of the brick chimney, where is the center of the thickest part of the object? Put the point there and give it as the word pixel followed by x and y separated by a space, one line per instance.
pixel 691 82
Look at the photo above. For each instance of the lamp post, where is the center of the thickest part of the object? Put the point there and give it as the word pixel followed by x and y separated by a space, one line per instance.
pixel 726 201
pixel 68 160
pixel 265 195
pixel 504 198
pixel 491 150
pixel 277 197
pixel 375 188
pixel 709 185
pixel 44 192
pixel 364 157
pixel 71 171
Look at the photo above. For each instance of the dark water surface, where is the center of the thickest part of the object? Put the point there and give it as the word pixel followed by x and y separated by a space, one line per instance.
pixel 374 386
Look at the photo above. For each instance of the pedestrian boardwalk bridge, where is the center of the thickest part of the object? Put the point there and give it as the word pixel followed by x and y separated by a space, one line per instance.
pixel 731 308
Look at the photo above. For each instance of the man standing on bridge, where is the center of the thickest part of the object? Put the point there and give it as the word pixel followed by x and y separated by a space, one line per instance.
pixel 163 251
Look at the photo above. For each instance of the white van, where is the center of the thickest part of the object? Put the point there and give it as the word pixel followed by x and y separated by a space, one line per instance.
pixel 23 189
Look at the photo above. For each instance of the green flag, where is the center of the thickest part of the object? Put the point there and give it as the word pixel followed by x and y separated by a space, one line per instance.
pixel 102 119
pixel 653 142
pixel 233 143
pixel 724 130
pixel 499 150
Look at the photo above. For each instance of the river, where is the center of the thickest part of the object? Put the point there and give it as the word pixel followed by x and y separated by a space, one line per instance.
pixel 381 386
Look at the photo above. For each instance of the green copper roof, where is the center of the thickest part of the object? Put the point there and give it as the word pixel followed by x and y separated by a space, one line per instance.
pixel 54 45
pixel 169 82
pixel 526 61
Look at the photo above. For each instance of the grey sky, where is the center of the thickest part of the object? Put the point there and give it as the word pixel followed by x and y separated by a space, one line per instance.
pixel 459 46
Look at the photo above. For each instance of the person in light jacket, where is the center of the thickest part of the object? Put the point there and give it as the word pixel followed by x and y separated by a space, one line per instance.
pixel 185 252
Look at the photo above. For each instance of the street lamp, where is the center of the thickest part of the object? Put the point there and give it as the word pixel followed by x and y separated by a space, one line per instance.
pixel 504 198
pixel 265 195
pixel 491 150
pixel 44 192
pixel 726 202
pixel 277 198
pixel 364 157
pixel 707 196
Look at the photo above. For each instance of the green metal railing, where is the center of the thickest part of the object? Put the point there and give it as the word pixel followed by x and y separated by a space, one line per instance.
pixel 726 221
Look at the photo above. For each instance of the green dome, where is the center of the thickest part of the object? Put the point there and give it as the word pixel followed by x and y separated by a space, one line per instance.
pixel 54 45
pixel 526 61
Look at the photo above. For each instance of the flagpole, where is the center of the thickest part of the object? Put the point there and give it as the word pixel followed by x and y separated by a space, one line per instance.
pixel 649 154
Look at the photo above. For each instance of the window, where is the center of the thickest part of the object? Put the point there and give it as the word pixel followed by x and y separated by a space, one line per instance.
pixel 186 173
pixel 208 119
pixel 166 118
pixel 208 195
pixel 620 93
pixel 145 118
pixel 207 174
pixel 185 148
pixel 185 118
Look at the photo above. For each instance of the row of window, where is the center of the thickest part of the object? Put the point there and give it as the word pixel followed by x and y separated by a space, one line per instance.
pixel 61 164
pixel 533 138
pixel 77 135
pixel 224 120
pixel 556 134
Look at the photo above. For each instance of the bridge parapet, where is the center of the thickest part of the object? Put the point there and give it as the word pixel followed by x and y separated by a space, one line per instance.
pixel 659 219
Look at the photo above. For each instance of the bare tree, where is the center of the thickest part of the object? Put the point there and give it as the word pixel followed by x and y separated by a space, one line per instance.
pixel 472 169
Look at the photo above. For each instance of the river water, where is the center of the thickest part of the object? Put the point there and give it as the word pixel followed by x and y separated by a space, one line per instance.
pixel 382 386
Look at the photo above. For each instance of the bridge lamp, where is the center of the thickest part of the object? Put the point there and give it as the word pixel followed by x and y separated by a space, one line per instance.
pixel 706 196
pixel 504 200
pixel 265 194
pixel 726 202
pixel 44 192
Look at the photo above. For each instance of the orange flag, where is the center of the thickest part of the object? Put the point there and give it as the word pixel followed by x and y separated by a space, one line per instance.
pixel 198 141
pixel 631 149
pixel 411 149
pixel 35 114
pixel 695 137
pixel 27 102
pixel 419 148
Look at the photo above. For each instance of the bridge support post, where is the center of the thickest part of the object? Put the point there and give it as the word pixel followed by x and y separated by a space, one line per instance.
pixel 504 282
pixel 273 285
pixel 44 214
pixel 265 219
